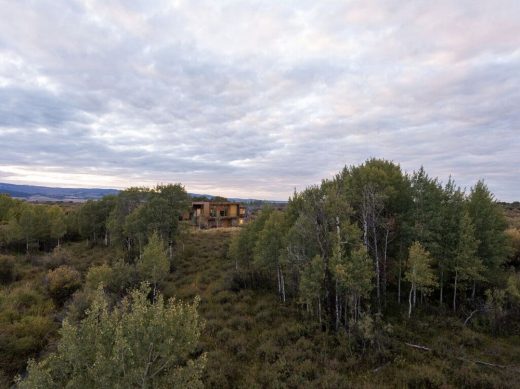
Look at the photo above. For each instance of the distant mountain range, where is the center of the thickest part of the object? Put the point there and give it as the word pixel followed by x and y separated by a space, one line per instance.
pixel 45 193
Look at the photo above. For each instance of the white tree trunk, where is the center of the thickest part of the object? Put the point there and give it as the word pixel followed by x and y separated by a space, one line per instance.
pixel 283 285
pixel 279 281
pixel 442 286
pixel 319 309
pixel 337 307
pixel 455 291
pixel 410 302
pixel 399 282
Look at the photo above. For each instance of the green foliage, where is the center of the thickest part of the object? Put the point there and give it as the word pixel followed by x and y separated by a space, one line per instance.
pixel 495 301
pixel 427 195
pixel 268 251
pixel 243 245
pixel 126 202
pixel 27 223
pixel 102 274
pixel 312 281
pixel 489 222
pixel 139 211
pixel 7 208
pixel 153 266
pixel 6 204
pixel 452 211
pixel 355 273
pixel 513 287
pixel 58 228
pixel 137 344
pixel 467 266
pixel 25 325
pixel 376 206
pixel 513 234
pixel 92 218
pixel 62 282
pixel 124 276
pixel 419 273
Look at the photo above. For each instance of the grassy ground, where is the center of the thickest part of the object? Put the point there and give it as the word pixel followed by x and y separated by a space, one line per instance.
pixel 253 340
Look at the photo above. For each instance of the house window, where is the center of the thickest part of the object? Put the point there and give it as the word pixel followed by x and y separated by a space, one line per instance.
pixel 213 212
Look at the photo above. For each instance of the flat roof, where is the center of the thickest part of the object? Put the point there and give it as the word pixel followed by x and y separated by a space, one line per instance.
pixel 214 202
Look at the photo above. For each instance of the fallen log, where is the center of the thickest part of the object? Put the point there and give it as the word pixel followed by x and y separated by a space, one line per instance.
pixel 424 348
pixel 418 346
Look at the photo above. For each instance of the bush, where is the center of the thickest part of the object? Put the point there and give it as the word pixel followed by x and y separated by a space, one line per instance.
pixel 7 270
pixel 224 335
pixel 57 258
pixel 113 348
pixel 238 347
pixel 225 297
pixel 25 326
pixel 62 283
pixel 78 305
pixel 124 277
pixel 269 351
pixel 96 275
pixel 218 374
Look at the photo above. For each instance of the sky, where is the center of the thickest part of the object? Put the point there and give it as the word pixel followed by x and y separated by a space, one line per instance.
pixel 257 98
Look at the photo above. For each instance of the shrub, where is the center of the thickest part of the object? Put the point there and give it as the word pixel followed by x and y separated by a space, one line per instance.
pixel 25 326
pixel 224 335
pixel 113 348
pixel 96 275
pixel 225 297
pixel 78 305
pixel 7 270
pixel 268 351
pixel 57 258
pixel 218 374
pixel 238 347
pixel 124 276
pixel 62 283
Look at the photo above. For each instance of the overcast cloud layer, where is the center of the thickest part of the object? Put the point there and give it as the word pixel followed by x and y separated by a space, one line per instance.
pixel 253 99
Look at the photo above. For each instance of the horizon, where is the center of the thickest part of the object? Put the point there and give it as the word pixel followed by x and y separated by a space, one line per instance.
pixel 257 99
pixel 123 188
pixel 245 197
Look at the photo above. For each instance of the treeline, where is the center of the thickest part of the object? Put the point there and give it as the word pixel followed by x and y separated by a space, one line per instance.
pixel 125 220
pixel 23 223
pixel 374 238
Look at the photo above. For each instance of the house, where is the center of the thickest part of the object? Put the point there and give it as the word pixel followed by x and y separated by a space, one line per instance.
pixel 209 214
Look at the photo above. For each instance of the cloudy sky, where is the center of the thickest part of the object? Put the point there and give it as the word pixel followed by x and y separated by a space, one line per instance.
pixel 255 98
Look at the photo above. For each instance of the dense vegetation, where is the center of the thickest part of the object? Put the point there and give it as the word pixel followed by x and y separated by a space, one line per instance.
pixel 373 278
pixel 373 239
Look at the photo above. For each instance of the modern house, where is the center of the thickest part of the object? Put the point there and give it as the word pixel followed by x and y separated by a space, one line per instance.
pixel 209 214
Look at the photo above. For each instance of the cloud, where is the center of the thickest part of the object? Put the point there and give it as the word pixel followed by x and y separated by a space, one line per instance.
pixel 253 99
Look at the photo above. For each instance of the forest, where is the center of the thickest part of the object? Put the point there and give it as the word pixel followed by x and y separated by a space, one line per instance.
pixel 374 278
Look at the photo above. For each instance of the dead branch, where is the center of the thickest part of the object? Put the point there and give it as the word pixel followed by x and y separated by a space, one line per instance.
pixel 470 316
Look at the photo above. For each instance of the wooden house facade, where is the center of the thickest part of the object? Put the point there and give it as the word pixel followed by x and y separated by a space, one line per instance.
pixel 211 214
